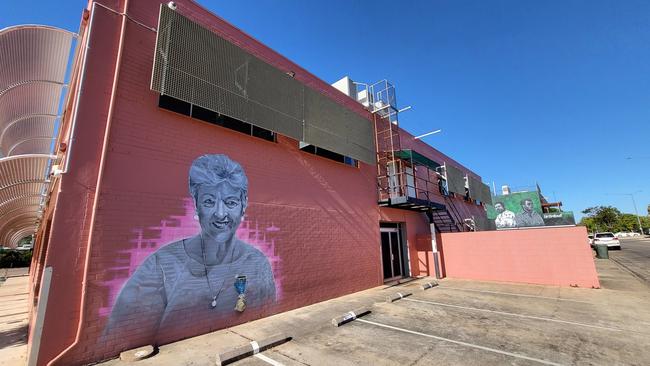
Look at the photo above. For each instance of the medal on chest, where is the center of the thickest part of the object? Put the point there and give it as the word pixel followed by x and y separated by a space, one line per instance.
pixel 240 286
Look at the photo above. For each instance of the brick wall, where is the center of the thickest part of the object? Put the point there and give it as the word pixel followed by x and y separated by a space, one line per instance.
pixel 319 219
pixel 548 256
pixel 416 225
pixel 325 213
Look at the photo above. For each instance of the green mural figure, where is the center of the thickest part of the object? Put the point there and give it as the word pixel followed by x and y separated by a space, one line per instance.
pixel 528 216
pixel 505 218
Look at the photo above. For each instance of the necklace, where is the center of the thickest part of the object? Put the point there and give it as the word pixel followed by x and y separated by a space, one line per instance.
pixel 213 304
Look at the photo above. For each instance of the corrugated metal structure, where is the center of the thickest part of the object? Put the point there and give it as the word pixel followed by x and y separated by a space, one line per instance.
pixel 33 63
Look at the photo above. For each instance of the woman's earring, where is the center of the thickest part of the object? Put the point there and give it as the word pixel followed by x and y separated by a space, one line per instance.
pixel 196 217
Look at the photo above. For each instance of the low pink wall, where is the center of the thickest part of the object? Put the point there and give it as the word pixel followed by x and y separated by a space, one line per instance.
pixel 547 256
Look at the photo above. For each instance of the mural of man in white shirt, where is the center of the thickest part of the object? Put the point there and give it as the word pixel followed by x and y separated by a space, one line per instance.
pixel 505 218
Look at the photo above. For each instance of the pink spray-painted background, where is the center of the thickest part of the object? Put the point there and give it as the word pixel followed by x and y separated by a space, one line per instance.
pixel 177 227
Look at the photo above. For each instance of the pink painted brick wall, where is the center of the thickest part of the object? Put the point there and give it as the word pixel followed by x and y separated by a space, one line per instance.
pixel 323 215
pixel 547 256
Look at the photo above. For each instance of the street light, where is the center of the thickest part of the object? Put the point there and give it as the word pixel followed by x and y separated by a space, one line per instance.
pixel 638 219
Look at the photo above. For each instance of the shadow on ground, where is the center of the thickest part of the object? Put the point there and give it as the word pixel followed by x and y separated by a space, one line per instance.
pixel 13 337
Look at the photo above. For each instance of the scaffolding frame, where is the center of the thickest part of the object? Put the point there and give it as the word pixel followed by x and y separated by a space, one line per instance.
pixel 405 178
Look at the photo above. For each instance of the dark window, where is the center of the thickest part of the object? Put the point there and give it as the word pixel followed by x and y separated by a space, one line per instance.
pixel 235 124
pixel 263 133
pixel 605 235
pixel 204 114
pixel 330 155
pixel 175 105
pixel 194 111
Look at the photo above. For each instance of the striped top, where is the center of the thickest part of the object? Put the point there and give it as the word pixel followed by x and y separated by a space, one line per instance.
pixel 169 292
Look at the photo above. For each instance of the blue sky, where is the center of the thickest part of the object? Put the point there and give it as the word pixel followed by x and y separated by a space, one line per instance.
pixel 554 92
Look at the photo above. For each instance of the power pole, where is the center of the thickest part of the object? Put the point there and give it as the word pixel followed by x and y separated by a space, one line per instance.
pixel 638 219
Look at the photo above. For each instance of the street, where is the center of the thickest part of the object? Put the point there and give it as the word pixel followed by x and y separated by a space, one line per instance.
pixel 634 256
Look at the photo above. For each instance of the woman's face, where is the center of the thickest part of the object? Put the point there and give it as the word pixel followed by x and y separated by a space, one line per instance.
pixel 220 209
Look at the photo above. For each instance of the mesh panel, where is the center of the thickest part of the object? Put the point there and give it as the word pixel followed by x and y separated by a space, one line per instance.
pixel 276 121
pixel 455 180
pixel 271 87
pixel 486 194
pixel 479 191
pixel 482 223
pixel 474 188
pixel 335 128
pixel 193 64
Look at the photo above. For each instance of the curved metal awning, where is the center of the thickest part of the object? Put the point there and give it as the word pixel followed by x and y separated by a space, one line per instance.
pixel 23 189
pixel 33 53
pixel 18 108
pixel 33 64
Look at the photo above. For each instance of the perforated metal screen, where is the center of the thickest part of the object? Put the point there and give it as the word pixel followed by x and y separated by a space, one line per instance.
pixel 193 64
pixel 474 191
pixel 479 191
pixel 486 194
pixel 482 223
pixel 455 179
pixel 336 128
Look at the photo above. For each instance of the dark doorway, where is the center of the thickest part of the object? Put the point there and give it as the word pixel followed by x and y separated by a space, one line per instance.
pixel 392 252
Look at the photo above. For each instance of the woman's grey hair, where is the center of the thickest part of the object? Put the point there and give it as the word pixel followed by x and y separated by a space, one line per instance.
pixel 214 169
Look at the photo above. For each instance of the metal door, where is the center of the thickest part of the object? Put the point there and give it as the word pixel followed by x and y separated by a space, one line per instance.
pixel 391 253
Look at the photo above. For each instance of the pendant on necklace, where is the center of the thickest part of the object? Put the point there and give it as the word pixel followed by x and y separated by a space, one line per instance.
pixel 213 304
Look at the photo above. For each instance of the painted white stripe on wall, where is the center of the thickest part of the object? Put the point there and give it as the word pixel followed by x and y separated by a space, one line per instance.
pixel 256 347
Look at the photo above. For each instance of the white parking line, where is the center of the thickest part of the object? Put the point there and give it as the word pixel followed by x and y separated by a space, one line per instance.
pixel 514 314
pixel 516 355
pixel 268 360
pixel 511 294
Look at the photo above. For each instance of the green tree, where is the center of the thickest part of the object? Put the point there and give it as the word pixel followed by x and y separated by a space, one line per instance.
pixel 589 223
pixel 627 222
pixel 602 217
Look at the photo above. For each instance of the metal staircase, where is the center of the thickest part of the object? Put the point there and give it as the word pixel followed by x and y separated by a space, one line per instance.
pixel 443 221
pixel 405 178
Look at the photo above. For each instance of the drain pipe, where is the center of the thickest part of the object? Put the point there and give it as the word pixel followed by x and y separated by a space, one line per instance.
pixel 100 174
pixel 434 244
pixel 82 78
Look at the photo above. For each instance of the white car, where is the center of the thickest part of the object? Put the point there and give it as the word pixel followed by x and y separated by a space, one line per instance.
pixel 25 247
pixel 607 238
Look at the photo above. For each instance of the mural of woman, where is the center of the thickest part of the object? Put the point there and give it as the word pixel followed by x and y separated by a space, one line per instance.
pixel 205 278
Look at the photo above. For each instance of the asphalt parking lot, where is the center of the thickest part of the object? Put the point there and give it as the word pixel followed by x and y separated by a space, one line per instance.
pixel 634 256
pixel 457 323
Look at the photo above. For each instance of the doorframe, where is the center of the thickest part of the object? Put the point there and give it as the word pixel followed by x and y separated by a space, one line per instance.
pixel 400 229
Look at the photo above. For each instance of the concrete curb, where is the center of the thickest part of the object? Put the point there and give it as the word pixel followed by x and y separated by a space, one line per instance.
pixel 350 316
pixel 429 285
pixel 254 347
pixel 397 296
